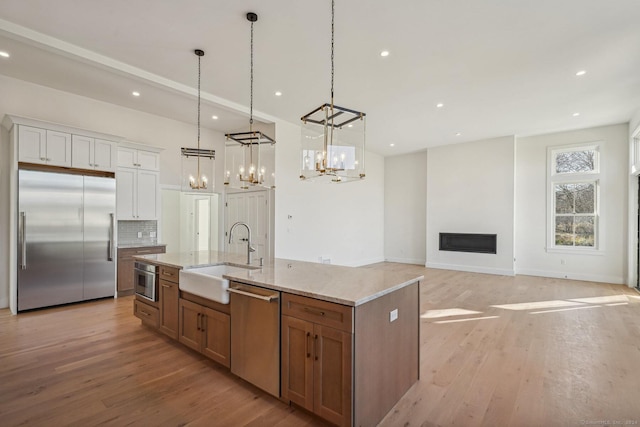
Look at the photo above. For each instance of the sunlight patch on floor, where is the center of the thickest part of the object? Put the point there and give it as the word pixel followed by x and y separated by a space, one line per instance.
pixel 466 320
pixel 433 314
pixel 565 309
pixel 538 305
pixel 602 300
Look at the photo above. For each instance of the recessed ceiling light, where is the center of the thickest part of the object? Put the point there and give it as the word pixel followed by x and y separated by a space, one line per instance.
pixel 135 93
pixel 214 117
pixel 392 145
pixel 581 73
pixel 576 114
pixel 458 134
pixel 4 54
pixel 278 93
pixel 439 105
pixel 384 53
pixel 349 126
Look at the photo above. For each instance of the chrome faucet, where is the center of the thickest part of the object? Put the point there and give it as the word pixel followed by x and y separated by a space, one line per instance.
pixel 250 248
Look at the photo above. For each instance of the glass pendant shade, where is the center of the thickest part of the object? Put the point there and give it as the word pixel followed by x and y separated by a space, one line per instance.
pixel 332 145
pixel 249 160
pixel 198 170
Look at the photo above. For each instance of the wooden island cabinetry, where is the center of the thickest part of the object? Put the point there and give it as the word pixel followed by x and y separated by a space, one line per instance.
pixel 206 330
pixel 349 337
pixel 168 297
pixel 316 356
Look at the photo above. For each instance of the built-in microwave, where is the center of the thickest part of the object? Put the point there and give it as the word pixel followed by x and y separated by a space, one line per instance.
pixel 146 280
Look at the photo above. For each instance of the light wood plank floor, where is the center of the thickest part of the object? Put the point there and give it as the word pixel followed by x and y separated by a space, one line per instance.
pixel 495 351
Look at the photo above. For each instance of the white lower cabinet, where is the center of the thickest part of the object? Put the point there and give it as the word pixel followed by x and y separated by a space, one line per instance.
pixel 137 192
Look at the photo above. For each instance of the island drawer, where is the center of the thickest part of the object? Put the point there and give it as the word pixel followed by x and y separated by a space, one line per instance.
pixel 170 274
pixel 150 315
pixel 330 314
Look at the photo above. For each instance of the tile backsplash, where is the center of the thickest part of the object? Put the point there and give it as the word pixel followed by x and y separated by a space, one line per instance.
pixel 128 231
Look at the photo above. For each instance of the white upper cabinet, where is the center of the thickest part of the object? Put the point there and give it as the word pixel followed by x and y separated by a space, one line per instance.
pixel 45 147
pixel 91 153
pixel 137 194
pixel 142 159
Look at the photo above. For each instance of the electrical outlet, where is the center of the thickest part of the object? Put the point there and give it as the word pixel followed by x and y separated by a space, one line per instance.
pixel 152 234
pixel 562 262
pixel 139 234
pixel 393 315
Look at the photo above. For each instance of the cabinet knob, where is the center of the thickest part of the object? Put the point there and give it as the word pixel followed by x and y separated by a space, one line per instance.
pixel 44 159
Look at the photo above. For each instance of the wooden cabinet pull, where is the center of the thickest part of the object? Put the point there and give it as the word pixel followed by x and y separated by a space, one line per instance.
pixel 165 286
pixel 315 347
pixel 145 313
pixel 198 322
pixel 167 274
pixel 307 344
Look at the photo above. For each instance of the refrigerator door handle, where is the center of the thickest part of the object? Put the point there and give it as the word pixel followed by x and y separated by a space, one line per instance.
pixel 23 240
pixel 111 236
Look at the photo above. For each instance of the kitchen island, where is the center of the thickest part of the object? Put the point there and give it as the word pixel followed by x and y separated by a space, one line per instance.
pixel 349 340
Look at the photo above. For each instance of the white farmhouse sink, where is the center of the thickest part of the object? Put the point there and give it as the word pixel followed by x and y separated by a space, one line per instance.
pixel 207 282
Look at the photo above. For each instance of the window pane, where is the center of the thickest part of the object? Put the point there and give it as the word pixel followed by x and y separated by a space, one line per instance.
pixel 576 161
pixel 585 198
pixel 564 230
pixel 564 198
pixel 585 230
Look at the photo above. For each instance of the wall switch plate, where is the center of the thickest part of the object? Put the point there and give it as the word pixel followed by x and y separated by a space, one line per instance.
pixel 393 315
pixel 152 234
pixel 139 234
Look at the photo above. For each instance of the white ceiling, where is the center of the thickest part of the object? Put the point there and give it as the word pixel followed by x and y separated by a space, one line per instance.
pixel 501 67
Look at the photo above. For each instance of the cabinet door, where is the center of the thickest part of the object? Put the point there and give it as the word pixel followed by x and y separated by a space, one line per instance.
pixel 147 195
pixel 32 145
pixel 104 154
pixel 168 301
pixel 332 374
pixel 127 157
pixel 126 183
pixel 190 333
pixel 82 152
pixel 297 361
pixel 216 343
pixel 125 275
pixel 148 160
pixel 58 148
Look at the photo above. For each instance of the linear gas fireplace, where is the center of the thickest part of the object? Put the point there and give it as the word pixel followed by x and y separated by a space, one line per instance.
pixel 469 242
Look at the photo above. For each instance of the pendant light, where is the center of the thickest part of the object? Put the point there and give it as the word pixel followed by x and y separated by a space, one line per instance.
pixel 197 163
pixel 333 138
pixel 250 156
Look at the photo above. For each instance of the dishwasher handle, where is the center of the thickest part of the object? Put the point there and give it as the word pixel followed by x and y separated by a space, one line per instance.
pixel 268 298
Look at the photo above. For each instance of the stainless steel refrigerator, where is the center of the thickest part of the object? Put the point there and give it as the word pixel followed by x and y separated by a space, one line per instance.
pixel 65 238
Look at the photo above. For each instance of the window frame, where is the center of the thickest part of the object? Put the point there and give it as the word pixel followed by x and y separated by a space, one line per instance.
pixel 557 178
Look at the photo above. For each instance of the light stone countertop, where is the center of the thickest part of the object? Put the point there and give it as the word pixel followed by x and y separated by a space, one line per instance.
pixel 351 286
pixel 141 244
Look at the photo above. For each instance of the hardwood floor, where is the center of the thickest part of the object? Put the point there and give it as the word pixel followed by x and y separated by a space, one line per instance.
pixel 495 351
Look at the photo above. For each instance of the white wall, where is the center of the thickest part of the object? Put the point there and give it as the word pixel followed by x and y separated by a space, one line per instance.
pixel 342 221
pixel 405 208
pixel 38 102
pixel 470 189
pixel 531 215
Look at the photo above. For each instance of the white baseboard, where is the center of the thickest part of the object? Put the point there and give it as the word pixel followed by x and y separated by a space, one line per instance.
pixel 365 262
pixel 415 261
pixel 471 269
pixel 618 280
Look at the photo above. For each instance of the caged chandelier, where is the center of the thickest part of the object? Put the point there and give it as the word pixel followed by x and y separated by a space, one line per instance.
pixel 249 156
pixel 197 161
pixel 333 137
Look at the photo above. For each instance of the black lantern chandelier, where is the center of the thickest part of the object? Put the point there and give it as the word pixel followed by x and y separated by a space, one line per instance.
pixel 246 153
pixel 202 179
pixel 333 137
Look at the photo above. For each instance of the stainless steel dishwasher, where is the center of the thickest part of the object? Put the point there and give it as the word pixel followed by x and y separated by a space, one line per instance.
pixel 255 335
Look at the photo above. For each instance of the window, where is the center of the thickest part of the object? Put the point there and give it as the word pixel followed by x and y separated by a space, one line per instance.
pixel 574 174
